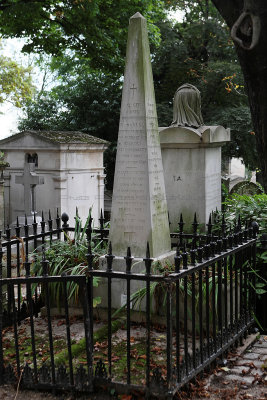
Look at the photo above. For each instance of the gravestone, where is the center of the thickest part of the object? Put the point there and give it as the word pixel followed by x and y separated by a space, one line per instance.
pixel 191 154
pixel 139 208
pixel 247 188
pixel 71 165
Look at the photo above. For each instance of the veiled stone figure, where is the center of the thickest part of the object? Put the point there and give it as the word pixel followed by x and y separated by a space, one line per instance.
pixel 187 107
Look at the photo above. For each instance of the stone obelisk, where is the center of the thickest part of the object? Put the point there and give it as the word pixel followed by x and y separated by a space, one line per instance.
pixel 139 208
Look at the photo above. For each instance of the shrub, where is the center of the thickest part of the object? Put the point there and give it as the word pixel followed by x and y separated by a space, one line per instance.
pixel 68 257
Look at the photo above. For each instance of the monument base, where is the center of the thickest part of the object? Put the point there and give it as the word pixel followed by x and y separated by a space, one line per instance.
pixel 119 286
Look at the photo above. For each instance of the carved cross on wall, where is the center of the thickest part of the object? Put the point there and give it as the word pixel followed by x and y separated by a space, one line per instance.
pixel 29 179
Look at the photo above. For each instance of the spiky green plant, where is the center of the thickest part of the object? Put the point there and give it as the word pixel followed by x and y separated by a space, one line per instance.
pixel 68 257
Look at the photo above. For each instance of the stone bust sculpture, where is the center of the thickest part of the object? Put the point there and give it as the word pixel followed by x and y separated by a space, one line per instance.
pixel 187 107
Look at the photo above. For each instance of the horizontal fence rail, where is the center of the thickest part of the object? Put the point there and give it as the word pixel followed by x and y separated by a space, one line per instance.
pixel 192 309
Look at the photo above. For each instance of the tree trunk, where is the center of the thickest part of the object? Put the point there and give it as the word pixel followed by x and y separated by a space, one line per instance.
pixel 254 66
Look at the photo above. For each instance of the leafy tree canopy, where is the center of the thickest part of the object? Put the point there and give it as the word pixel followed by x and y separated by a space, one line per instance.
pixel 199 51
pixel 15 82
pixel 95 29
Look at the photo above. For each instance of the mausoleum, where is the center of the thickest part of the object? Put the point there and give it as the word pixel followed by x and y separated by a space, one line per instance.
pixel 53 169
pixel 191 156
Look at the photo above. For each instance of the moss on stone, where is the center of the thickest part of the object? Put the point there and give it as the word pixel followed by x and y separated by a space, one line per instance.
pixel 78 348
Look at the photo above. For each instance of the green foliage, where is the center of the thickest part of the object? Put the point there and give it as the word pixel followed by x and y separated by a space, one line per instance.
pixel 15 82
pixel 243 140
pixel 84 101
pixel 249 208
pixel 199 51
pixel 68 257
pixel 78 348
pixel 94 29
pixel 41 114
pixel 88 90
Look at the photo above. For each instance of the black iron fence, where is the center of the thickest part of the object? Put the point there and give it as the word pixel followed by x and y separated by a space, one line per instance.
pixel 192 310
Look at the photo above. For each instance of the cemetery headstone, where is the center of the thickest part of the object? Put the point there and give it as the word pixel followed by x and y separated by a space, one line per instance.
pixel 191 154
pixel 139 208
pixel 246 188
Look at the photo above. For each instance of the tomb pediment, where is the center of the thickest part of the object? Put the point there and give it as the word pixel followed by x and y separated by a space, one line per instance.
pixel 49 139
pixel 26 140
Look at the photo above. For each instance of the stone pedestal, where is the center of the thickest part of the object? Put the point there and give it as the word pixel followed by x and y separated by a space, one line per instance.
pixel 119 286
pixel 192 171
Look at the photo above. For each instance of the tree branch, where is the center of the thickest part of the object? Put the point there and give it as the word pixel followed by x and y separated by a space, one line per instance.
pixel 201 7
pixel 5 4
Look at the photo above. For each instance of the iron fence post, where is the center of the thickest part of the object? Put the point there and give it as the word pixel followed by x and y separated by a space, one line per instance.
pixel 148 262
pixel 169 336
pixel 1 315
pixel 65 225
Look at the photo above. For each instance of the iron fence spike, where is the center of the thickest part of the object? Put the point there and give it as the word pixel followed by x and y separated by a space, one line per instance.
pixel 147 250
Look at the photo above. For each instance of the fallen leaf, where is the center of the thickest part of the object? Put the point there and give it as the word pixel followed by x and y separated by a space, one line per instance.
pixel 249 364
pixel 157 349
pixel 126 397
pixel 244 372
pixel 140 363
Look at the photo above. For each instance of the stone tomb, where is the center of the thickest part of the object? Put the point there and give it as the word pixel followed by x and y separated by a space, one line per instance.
pixel 50 170
pixel 191 155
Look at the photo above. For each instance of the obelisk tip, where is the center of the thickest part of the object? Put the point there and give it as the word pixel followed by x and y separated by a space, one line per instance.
pixel 137 15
